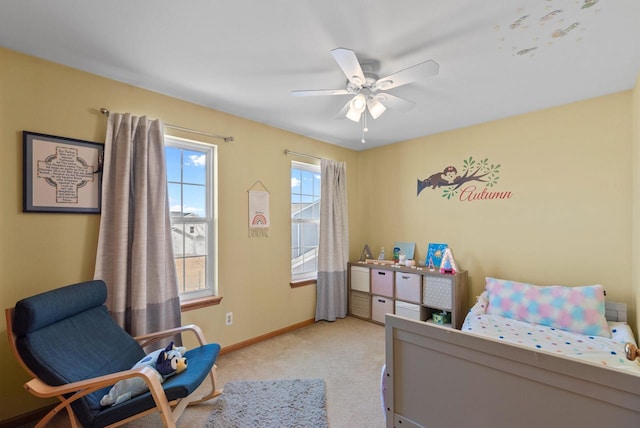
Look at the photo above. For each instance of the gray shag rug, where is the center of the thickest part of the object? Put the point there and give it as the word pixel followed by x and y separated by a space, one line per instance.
pixel 290 403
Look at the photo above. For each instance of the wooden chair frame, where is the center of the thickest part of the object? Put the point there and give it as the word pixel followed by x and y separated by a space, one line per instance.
pixel 170 411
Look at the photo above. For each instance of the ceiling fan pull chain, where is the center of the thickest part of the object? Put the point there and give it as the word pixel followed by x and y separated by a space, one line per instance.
pixel 364 127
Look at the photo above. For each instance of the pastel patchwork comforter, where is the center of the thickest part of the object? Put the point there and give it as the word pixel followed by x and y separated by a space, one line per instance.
pixel 594 349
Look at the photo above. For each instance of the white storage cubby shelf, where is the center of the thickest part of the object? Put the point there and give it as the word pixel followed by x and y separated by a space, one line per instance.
pixel 375 290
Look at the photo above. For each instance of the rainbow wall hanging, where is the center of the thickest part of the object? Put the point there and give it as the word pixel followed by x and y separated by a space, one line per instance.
pixel 258 211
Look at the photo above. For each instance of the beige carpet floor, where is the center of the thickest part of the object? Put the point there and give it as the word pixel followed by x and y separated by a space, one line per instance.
pixel 348 354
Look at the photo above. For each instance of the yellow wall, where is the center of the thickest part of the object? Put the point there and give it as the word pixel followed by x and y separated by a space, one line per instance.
pixel 569 220
pixel 39 252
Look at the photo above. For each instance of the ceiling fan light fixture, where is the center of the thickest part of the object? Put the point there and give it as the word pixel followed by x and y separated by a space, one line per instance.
pixel 359 102
pixel 353 115
pixel 376 108
pixel 363 84
pixel 356 107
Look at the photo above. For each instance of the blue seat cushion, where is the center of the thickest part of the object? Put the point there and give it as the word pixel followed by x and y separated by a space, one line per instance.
pixel 67 335
pixel 200 361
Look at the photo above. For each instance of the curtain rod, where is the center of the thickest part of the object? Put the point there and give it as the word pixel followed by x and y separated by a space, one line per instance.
pixel 289 152
pixel 228 139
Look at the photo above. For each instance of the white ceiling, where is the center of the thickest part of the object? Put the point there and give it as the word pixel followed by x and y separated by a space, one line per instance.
pixel 244 57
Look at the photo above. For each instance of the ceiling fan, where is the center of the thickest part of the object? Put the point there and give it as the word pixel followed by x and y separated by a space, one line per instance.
pixel 367 88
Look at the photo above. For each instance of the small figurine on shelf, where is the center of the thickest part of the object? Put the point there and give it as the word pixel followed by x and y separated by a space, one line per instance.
pixel 381 256
pixel 366 253
pixel 448 264
pixel 396 254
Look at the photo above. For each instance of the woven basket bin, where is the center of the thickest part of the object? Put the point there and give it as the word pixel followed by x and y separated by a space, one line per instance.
pixel 360 304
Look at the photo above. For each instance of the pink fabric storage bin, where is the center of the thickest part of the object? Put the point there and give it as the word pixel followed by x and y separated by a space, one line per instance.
pixel 382 282
pixel 408 287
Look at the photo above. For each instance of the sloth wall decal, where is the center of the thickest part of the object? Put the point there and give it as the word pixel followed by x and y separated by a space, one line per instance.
pixel 451 182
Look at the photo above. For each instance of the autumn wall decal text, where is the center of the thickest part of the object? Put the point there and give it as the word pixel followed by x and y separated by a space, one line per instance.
pixel 477 182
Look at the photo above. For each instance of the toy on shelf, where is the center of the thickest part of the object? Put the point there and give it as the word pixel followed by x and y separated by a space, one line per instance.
pixel 378 262
pixel 396 254
pixel 448 264
pixel 366 253
pixel 441 318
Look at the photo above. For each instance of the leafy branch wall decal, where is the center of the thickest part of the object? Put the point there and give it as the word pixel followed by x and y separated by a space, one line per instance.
pixel 450 182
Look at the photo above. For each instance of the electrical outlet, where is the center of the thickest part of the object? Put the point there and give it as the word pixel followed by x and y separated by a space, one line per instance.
pixel 229 318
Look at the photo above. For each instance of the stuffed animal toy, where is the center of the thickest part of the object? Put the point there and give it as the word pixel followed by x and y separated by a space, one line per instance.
pixel 632 351
pixel 166 362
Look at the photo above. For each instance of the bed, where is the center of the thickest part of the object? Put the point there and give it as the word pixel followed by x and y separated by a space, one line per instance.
pixel 505 371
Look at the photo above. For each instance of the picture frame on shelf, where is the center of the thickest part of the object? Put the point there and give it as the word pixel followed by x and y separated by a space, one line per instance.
pixel 61 175
pixel 407 248
pixel 433 259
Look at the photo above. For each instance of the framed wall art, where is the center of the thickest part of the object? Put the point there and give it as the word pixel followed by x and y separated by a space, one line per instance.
pixel 408 248
pixel 61 175
pixel 434 255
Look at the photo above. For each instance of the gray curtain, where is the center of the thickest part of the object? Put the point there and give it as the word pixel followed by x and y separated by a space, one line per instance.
pixel 333 249
pixel 135 250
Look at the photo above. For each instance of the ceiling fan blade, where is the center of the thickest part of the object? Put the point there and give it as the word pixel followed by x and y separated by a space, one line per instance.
pixel 305 93
pixel 343 111
pixel 424 69
pixel 394 102
pixel 348 62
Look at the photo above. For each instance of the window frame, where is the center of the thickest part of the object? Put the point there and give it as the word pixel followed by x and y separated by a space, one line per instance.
pixel 309 276
pixel 211 219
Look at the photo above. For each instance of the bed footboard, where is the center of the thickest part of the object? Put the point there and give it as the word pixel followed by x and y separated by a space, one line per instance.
pixel 437 377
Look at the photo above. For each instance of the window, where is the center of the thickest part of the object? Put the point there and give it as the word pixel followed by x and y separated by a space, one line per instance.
pixel 305 220
pixel 191 181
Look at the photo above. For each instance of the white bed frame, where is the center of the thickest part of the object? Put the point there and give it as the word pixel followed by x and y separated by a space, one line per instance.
pixel 437 377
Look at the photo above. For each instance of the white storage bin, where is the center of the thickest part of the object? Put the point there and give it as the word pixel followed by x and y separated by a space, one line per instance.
pixel 360 278
pixel 408 287
pixel 411 311
pixel 379 307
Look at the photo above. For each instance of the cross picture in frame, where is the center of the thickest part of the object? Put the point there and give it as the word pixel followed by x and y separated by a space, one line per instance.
pixel 61 175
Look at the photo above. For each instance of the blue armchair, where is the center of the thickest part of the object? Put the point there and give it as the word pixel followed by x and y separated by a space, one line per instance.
pixel 71 346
